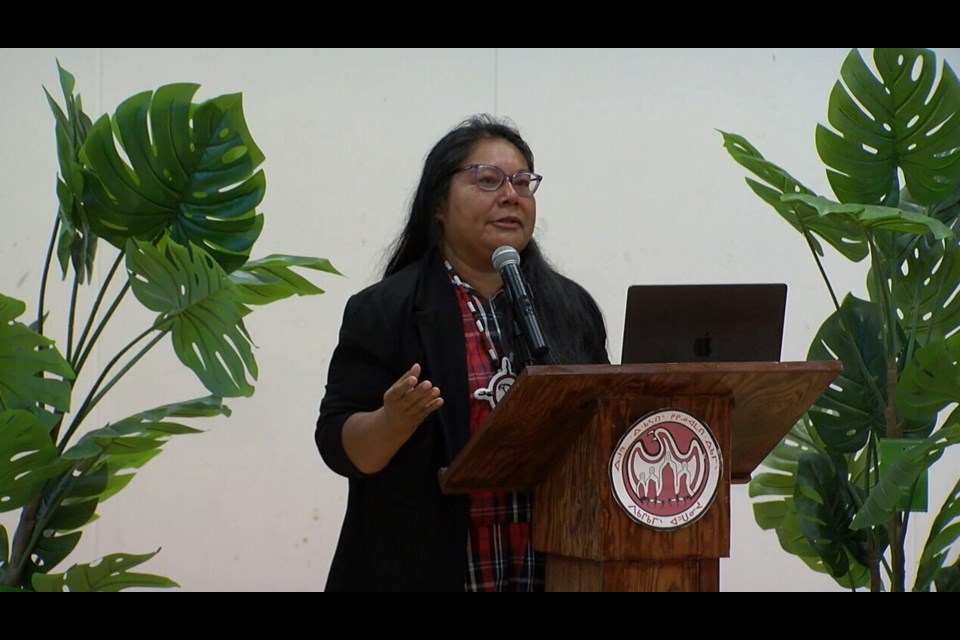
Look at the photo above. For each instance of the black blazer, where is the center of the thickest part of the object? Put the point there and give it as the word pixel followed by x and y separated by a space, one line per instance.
pixel 399 532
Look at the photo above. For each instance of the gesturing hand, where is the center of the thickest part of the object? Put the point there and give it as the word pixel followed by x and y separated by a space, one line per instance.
pixel 408 402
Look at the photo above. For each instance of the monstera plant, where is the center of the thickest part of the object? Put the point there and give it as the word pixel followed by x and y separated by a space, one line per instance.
pixel 892 156
pixel 172 187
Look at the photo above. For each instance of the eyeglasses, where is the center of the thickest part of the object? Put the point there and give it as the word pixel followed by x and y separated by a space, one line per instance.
pixel 490 178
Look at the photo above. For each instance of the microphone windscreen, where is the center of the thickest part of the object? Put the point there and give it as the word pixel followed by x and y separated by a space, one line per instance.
pixel 505 255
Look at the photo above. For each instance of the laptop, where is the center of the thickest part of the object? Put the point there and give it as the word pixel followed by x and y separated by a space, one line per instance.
pixel 704 323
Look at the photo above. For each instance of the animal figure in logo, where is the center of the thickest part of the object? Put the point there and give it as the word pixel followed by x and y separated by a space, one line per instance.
pixel 662 472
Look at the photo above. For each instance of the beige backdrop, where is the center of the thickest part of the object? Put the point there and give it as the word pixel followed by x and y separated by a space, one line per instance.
pixel 637 189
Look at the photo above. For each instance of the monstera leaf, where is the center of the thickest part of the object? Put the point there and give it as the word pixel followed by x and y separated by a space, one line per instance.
pixel 109 454
pixel 826 503
pixel 925 289
pixel 110 573
pixel 931 379
pixel 899 480
pixel 840 232
pixel 876 217
pixel 25 357
pixel 28 458
pixel 76 243
pixel 202 309
pixel 777 508
pixel 899 120
pixel 853 405
pixel 4 549
pixel 188 171
pixel 270 279
pixel 944 531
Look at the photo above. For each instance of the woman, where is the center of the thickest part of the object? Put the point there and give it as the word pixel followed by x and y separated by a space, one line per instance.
pixel 411 377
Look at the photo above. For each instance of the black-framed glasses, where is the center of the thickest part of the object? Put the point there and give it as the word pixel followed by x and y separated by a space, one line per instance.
pixel 487 177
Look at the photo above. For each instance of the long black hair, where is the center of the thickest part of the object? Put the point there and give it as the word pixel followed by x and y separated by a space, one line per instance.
pixel 566 310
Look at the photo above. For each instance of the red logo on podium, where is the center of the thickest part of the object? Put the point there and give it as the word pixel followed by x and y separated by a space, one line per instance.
pixel 666 469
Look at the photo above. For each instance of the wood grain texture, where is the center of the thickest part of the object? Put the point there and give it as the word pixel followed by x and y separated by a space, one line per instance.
pixel 577 515
pixel 548 407
pixel 571 574
pixel 554 434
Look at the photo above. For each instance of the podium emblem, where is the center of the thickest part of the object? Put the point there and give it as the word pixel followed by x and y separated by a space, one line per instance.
pixel 665 470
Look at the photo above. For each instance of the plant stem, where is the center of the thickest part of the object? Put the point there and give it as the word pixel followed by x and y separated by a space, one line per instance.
pixel 886 567
pixel 891 418
pixel 20 546
pixel 816 258
pixel 41 509
pixel 93 312
pixel 893 427
pixel 72 314
pixel 103 324
pixel 93 397
pixel 46 272
pixel 895 532
pixel 875 553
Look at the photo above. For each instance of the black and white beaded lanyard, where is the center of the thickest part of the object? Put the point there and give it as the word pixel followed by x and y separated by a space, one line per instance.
pixel 503 375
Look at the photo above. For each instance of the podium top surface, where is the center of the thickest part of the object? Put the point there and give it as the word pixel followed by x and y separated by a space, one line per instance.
pixel 767 400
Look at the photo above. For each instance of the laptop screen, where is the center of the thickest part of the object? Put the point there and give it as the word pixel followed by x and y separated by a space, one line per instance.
pixel 704 323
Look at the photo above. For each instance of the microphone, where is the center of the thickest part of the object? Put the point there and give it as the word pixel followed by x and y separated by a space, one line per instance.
pixel 506 260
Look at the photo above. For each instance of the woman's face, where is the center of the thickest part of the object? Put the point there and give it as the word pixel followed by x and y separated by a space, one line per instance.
pixel 477 222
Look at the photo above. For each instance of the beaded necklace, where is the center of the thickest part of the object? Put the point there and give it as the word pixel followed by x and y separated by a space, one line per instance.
pixel 503 375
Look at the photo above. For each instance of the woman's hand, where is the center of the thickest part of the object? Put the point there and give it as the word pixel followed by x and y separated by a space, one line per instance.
pixel 408 402
pixel 371 439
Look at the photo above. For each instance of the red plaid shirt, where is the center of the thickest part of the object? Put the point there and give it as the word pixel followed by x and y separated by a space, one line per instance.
pixel 500 555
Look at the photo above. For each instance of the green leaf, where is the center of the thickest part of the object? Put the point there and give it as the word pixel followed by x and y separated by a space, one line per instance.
pixel 197 408
pixel 4 549
pixel 853 405
pixel 826 503
pixel 51 551
pixel 840 232
pixel 781 515
pixel 897 120
pixel 190 173
pixel 944 531
pixel 784 459
pixel 898 481
pixel 270 279
pixel 120 470
pixel 28 458
pixel 108 456
pixel 25 357
pixel 876 217
pixel 72 515
pixel 90 484
pixel 76 242
pixel 111 440
pixel 202 307
pixel 925 290
pixel 946 211
pixel 930 379
pixel 948 580
pixel 110 573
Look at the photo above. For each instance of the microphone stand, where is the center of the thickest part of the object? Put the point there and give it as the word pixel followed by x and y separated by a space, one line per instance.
pixel 521 341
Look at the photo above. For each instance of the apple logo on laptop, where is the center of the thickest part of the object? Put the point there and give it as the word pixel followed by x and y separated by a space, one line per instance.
pixel 702 347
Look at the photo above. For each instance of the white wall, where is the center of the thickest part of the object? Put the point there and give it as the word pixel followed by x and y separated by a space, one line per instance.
pixel 637 189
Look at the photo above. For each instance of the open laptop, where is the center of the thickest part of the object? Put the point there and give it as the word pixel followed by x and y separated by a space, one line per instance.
pixel 704 323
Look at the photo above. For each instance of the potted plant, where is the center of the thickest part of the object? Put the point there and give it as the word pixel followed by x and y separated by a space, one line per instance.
pixel 839 489
pixel 172 188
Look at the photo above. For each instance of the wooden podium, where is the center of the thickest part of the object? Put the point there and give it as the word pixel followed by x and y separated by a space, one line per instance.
pixel 556 429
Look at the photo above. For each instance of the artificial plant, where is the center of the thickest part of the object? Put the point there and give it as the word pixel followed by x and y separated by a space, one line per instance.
pixel 172 187
pixel 892 156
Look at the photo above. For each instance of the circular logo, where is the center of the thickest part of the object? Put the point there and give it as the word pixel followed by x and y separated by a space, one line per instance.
pixel 666 469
